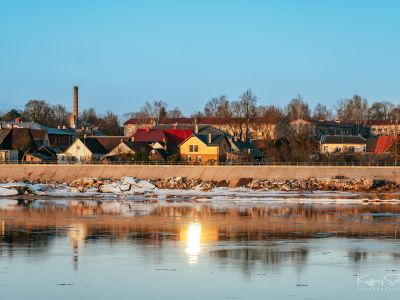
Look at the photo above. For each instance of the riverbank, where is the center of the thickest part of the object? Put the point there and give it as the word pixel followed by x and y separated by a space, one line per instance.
pixel 231 174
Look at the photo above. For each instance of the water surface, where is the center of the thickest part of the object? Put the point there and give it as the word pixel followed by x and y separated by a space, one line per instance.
pixel 63 249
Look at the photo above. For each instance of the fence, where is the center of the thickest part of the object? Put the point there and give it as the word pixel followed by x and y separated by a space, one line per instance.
pixel 185 163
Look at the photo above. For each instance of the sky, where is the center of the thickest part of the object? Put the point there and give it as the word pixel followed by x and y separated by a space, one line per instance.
pixel 124 53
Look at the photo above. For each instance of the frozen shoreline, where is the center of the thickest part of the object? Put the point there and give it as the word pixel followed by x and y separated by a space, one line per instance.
pixel 129 188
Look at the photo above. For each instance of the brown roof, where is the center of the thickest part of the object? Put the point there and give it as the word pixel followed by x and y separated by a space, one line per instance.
pixel 107 142
pixel 93 145
pixel 343 139
pixel 17 138
pixel 138 146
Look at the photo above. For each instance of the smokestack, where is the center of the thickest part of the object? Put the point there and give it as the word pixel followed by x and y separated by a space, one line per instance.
pixel 76 102
pixel 209 138
pixel 196 128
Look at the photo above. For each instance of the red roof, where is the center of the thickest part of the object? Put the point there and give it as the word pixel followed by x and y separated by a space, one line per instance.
pixel 177 136
pixel 384 143
pixel 149 135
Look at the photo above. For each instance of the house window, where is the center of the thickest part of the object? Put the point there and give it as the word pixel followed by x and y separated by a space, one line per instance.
pixel 338 149
pixel 364 148
pixel 351 149
pixel 78 148
pixel 189 158
pixel 198 158
pixel 194 148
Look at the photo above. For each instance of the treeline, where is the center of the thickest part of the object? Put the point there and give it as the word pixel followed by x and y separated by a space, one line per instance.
pixel 355 109
pixel 246 109
pixel 41 112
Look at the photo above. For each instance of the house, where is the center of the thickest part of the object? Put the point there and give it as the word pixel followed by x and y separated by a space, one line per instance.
pixel 342 144
pixel 89 148
pixel 42 154
pixel 204 148
pixel 61 138
pixel 41 137
pixel 384 127
pixel 243 152
pixel 337 127
pixel 130 151
pixel 82 150
pixel 15 143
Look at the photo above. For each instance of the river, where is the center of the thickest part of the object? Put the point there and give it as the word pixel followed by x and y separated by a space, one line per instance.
pixel 119 249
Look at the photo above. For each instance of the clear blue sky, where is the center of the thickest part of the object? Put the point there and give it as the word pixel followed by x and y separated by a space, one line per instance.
pixel 123 53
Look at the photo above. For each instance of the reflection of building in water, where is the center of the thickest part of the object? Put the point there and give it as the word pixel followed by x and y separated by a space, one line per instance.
pixel 35 226
pixel 77 235
pixel 247 257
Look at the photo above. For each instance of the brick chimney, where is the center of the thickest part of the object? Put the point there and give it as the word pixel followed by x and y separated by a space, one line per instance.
pixel 76 102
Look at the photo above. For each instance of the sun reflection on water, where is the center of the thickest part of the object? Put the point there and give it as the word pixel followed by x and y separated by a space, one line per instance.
pixel 193 242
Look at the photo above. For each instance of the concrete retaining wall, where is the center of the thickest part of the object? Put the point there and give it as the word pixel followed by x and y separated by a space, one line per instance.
pixel 62 173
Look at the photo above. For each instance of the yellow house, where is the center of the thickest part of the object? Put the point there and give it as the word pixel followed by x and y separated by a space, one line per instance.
pixel 204 148
pixel 342 144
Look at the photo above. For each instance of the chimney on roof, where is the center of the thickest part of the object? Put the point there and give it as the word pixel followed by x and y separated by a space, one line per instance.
pixel 209 138
pixel 58 127
pixel 18 120
pixel 174 125
pixel 196 128
pixel 64 127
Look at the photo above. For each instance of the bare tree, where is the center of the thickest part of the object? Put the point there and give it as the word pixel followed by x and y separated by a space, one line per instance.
pixel 269 114
pixel 174 113
pixel 380 110
pixel 297 109
pixel 37 111
pixel 217 107
pixel 321 112
pixel 89 117
pixel 109 124
pixel 248 105
pixel 353 110
pixel 60 115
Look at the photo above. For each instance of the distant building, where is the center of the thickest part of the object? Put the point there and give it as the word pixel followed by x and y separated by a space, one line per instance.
pixel 258 127
pixel 342 144
pixel 384 127
pixel 324 127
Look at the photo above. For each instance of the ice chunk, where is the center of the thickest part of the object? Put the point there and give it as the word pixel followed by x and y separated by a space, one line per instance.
pixel 7 192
